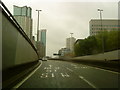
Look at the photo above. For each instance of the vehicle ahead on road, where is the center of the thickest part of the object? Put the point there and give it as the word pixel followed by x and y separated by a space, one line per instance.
pixel 44 59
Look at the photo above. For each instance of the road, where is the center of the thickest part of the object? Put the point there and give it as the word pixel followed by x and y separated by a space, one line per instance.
pixel 62 74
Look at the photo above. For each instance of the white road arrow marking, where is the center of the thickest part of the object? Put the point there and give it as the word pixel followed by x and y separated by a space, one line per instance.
pixel 53 75
pixel 65 75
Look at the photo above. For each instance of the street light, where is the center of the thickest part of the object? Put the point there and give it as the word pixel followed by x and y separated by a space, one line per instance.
pixel 100 10
pixel 71 34
pixel 38 25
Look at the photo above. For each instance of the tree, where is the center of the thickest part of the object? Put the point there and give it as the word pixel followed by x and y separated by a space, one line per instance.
pixel 94 44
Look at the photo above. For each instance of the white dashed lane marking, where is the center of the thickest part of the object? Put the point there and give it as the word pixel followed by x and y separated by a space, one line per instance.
pixel 70 69
pixel 81 77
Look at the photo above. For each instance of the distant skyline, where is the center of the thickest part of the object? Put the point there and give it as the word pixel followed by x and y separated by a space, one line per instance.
pixel 61 18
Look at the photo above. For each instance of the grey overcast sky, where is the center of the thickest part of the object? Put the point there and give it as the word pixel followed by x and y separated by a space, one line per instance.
pixel 61 17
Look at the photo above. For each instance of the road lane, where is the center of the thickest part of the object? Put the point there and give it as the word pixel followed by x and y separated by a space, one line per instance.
pixel 99 77
pixel 61 74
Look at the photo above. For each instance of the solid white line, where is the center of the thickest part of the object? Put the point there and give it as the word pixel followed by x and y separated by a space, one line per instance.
pixel 87 81
pixel 101 69
pixel 70 69
pixel 20 83
pixel 105 70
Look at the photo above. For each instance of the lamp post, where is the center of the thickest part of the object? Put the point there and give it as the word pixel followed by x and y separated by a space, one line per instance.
pixel 71 34
pixel 38 25
pixel 102 30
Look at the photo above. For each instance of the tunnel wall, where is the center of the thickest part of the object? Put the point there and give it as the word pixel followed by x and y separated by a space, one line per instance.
pixel 17 49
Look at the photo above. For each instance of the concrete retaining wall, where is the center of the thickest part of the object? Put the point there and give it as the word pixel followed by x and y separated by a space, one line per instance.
pixel 16 49
pixel 113 55
pixel 0 50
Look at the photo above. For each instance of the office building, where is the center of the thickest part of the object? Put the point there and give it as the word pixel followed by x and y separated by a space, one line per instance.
pixel 43 40
pixel 107 25
pixel 23 17
pixel 43 36
pixel 63 51
pixel 40 49
pixel 70 43
pixel 119 12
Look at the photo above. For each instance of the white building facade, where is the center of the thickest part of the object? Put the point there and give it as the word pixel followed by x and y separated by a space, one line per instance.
pixel 70 43
pixel 96 25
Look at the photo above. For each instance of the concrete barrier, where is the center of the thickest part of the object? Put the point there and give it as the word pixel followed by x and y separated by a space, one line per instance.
pixel 108 60
pixel 19 55
pixel 0 50
pixel 113 55
pixel 17 48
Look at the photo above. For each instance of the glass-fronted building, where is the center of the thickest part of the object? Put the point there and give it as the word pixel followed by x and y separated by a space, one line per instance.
pixel 43 40
pixel 23 17
pixel 43 36
pixel 22 11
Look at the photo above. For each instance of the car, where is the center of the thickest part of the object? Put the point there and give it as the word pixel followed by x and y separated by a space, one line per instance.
pixel 44 59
